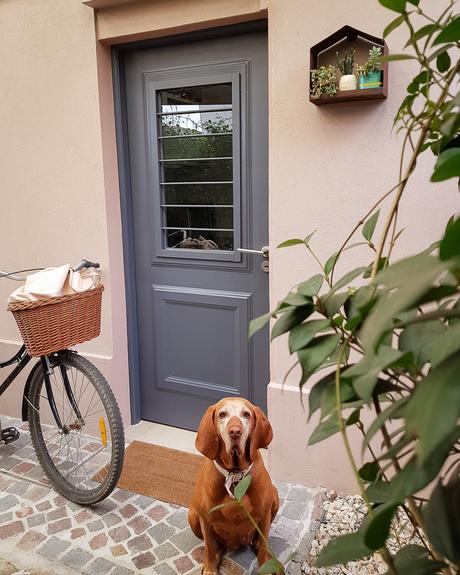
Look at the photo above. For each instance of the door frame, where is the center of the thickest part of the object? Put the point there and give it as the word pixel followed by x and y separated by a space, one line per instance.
pixel 124 176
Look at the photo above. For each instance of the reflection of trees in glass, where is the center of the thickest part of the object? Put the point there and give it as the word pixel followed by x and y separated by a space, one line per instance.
pixel 213 139
pixel 204 145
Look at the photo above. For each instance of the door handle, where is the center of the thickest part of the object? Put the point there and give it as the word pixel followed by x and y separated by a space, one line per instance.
pixel 264 252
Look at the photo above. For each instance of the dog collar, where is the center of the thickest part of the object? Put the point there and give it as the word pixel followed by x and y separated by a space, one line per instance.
pixel 231 478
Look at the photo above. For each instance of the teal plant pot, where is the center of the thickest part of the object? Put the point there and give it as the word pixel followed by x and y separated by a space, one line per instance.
pixel 372 80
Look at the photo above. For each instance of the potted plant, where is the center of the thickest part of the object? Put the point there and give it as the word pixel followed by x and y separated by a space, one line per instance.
pixel 323 81
pixel 370 74
pixel 348 80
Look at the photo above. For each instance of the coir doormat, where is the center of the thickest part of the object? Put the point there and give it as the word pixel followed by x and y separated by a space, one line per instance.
pixel 160 472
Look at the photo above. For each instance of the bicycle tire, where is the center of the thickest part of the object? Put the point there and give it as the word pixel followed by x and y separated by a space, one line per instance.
pixel 54 471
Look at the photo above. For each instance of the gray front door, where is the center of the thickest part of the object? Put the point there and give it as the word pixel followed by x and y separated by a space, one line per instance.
pixel 197 137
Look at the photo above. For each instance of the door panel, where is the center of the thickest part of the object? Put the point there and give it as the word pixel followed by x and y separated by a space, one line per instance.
pixel 197 136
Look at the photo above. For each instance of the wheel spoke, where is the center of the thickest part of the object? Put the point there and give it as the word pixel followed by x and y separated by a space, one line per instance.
pixel 77 458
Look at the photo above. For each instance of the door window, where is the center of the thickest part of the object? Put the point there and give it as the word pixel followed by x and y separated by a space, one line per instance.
pixel 198 167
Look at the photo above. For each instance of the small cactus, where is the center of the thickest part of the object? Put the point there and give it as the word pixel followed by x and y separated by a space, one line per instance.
pixel 345 64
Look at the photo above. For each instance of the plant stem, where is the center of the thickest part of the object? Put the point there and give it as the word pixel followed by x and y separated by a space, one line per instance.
pixel 359 224
pixel 386 555
pixel 415 511
pixel 259 531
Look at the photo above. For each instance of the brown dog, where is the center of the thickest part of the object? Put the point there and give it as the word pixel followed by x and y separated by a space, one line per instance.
pixel 230 435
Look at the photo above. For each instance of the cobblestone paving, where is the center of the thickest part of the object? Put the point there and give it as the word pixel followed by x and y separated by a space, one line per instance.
pixel 127 533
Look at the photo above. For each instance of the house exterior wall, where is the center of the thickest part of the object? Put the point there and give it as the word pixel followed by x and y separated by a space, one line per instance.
pixel 327 166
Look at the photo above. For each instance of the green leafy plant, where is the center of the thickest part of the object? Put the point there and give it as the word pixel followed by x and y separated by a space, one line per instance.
pixel 373 63
pixel 323 81
pixel 385 337
pixel 345 64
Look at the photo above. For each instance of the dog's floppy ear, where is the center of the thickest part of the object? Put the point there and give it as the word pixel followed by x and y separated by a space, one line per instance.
pixel 262 433
pixel 207 439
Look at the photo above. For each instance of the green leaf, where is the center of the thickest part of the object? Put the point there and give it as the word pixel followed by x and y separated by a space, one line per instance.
pixel 443 519
pixel 258 323
pixel 369 471
pixel 396 447
pixel 450 126
pixel 316 392
pixel 329 399
pixel 445 345
pixel 379 492
pixel 359 305
pixel 369 226
pixel 271 566
pixel 443 62
pixel 414 559
pixel 335 302
pixel 420 33
pixel 400 272
pixel 393 25
pixel 440 50
pixel 296 299
pixel 419 338
pixel 242 487
pixel 365 373
pixel 451 32
pixel 342 549
pixel 308 238
pixel 290 319
pixel 416 474
pixel 312 286
pixel 413 277
pixel 393 411
pixel 353 417
pixel 450 244
pixel 382 264
pixel 447 166
pixel 330 263
pixel 395 57
pixel 378 527
pixel 289 243
pixel 324 430
pixel 345 280
pixel 302 334
pixel 395 5
pixel 434 407
pixel 437 294
pixel 312 357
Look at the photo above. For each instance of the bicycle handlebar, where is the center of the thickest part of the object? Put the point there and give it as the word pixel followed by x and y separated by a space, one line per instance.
pixel 87 264
pixel 13 275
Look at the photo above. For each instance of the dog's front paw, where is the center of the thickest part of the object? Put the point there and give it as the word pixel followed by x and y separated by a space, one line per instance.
pixel 209 571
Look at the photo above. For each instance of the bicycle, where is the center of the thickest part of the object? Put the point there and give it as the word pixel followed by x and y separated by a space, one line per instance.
pixel 74 420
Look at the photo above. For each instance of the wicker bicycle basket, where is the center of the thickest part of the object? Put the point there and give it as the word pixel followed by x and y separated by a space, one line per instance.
pixel 59 322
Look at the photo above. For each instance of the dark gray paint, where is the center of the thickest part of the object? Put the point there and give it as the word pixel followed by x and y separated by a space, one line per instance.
pixel 208 302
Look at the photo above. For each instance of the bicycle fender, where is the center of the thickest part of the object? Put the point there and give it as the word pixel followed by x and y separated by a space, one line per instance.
pixel 25 404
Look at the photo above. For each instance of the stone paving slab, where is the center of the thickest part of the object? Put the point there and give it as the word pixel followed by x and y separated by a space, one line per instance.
pixel 127 533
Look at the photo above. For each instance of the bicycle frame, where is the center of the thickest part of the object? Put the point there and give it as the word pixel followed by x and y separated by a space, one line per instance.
pixel 22 358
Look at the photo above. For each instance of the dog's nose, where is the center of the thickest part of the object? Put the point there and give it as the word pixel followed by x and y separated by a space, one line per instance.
pixel 234 432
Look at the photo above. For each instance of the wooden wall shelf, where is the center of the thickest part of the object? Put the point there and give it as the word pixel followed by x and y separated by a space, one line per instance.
pixel 323 53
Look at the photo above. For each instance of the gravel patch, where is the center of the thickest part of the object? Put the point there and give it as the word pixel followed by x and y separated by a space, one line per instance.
pixel 342 515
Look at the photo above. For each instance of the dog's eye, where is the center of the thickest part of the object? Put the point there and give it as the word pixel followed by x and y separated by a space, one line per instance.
pixel 222 414
pixel 246 414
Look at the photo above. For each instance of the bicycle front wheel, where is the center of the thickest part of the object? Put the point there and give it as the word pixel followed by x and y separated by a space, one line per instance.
pixel 76 428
